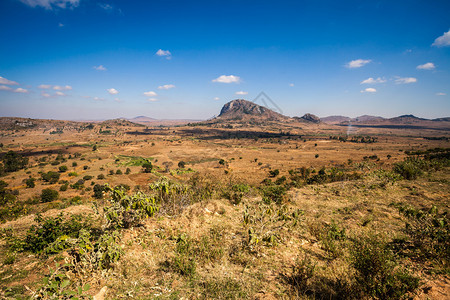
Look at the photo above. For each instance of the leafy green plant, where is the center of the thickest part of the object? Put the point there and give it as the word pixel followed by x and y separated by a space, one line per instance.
pixel 51 177
pixel 126 211
pixel 58 285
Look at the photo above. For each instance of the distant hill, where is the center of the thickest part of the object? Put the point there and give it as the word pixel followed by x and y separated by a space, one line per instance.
pixel 309 118
pixel 243 110
pixel 142 119
pixel 334 119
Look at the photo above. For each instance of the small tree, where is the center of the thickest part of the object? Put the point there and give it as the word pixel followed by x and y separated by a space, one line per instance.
pixel 62 169
pixel 181 164
pixel 49 195
pixel 128 171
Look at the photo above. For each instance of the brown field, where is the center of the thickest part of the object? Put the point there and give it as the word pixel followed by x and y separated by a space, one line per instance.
pixel 208 247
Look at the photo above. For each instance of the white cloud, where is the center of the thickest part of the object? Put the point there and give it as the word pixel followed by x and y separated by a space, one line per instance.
pixel 62 88
pixel 113 91
pixel 117 100
pixel 152 99
pixel 106 7
pixel 166 87
pixel 5 88
pixel 216 98
pixel 227 79
pixel 20 90
pixel 45 86
pixel 405 80
pixel 371 80
pixel 98 99
pixel 291 84
pixel 51 4
pixel 58 93
pixel 241 93
pixel 427 66
pixel 357 63
pixel 100 68
pixel 44 94
pixel 369 90
pixel 443 40
pixel 441 94
pixel 164 53
pixel 6 81
pixel 150 94
pixel 60 25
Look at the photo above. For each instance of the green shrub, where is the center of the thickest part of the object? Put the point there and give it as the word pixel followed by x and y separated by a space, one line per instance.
pixel 30 182
pixel 409 169
pixel 181 164
pixel 62 169
pixel 101 176
pixel 87 177
pixel 49 195
pixel 273 193
pixel 51 177
pixel 377 272
pixel 13 162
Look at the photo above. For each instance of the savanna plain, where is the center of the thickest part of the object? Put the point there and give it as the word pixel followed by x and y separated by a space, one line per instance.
pixel 117 210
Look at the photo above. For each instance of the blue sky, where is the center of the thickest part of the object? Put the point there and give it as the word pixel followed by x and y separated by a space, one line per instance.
pixel 87 59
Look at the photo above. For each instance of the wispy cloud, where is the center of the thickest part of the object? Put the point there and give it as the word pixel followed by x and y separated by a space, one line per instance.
pixel 58 93
pixel 8 82
pixel 45 86
pixel 405 80
pixel 166 87
pixel 441 94
pixel 227 79
pixel 5 88
pixel 369 90
pixel 291 84
pixel 62 88
pixel 60 25
pixel 443 40
pixel 152 99
pixel 20 90
pixel 357 63
pixel 105 6
pixel 51 4
pixel 164 53
pixel 113 91
pixel 98 99
pixel 99 68
pixel 45 95
pixel 216 98
pixel 427 66
pixel 371 80
pixel 241 93
pixel 150 94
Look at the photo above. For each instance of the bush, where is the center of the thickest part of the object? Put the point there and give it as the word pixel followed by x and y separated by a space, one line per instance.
pixel 147 167
pixel 98 190
pixel 51 177
pixel 74 164
pixel 64 187
pixel 181 164
pixel 409 169
pixel 49 195
pixel 128 171
pixel 118 172
pixel 87 177
pixel 30 182
pixel 101 176
pixel 274 193
pixel 377 273
pixel 62 169
pixel 13 161
pixel 274 173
